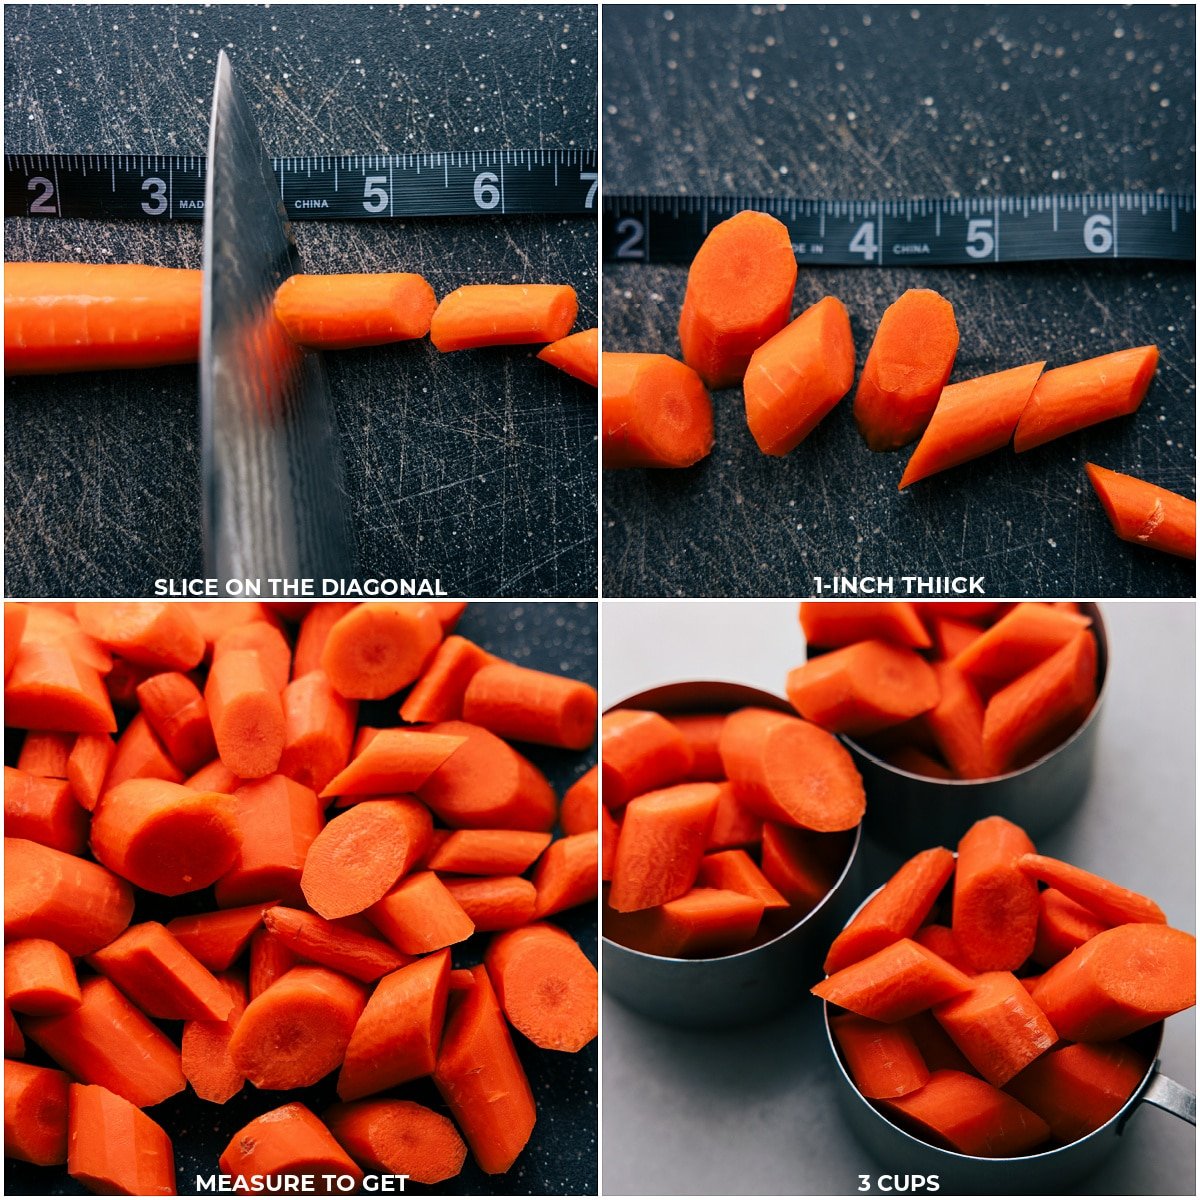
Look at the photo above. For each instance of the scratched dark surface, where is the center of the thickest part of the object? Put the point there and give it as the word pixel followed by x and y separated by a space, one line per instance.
pixel 561 1156
pixel 475 467
pixel 900 101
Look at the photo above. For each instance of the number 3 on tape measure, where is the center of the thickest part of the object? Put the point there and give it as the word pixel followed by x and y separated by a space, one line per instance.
pixel 157 204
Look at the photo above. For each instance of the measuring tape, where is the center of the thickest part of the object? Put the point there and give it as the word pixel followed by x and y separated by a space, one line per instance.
pixel 169 187
pixel 890 233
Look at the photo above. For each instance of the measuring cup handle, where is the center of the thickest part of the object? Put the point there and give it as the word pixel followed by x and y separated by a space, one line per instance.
pixel 1163 1092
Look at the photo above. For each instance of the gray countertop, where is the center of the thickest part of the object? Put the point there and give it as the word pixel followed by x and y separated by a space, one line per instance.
pixel 753 1111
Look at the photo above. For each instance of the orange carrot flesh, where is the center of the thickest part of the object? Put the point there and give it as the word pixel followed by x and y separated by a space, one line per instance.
pixel 35 1114
pixel 995 907
pixel 14 1039
pixel 340 312
pixel 488 851
pixel 140 755
pixel 314 632
pixel 894 983
pixel 270 960
pixel 288 1141
pixel 733 823
pixel 610 831
pixel 205 1049
pixel 49 688
pixel 357 858
pixel 1063 926
pixel 523 705
pixel 830 624
pixel 941 940
pixel 246 714
pixel 215 617
pixel 906 369
pixel 896 911
pixel 379 647
pixel 16 616
pixel 655 412
pixel 702 732
pixel 164 837
pixel 316 940
pixel 297 1031
pixel 43 810
pixel 736 871
pixel 397 1037
pixel 45 754
pixel 39 977
pixel 503 314
pixel 1022 639
pixel 109 1042
pixel 264 639
pixel 481 1078
pixel 399 1137
pixel 546 985
pixel 640 752
pixel 50 621
pixel 448 612
pixel 970 1116
pixel 951 635
pixel 972 419
pixel 796 865
pixel 1107 900
pixel 175 710
pixel 861 689
pixel 318 731
pixel 87 768
pixel 739 294
pixel 791 771
pixel 578 355
pixel 152 635
pixel 883 1060
pixel 114 1149
pixel 122 682
pixel 420 915
pixel 394 761
pixel 795 379
pixel 1070 398
pixel 72 317
pixel 917 762
pixel 216 939
pixel 214 777
pixel 438 694
pixel 567 874
pixel 704 923
pixel 496 902
pixel 1145 514
pixel 580 811
pixel 956 724
pixel 937 1050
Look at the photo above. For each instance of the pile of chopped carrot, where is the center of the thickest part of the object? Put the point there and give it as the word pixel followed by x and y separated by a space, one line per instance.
pixel 351 866
pixel 953 690
pixel 987 1004
pixel 720 831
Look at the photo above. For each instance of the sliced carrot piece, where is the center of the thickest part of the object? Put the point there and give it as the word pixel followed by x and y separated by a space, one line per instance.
pixel 419 915
pixel 270 960
pixel 531 706
pixel 45 754
pixel 941 940
pixel 15 618
pixel 140 755
pixel 938 1051
pixel 1107 900
pixel 340 312
pixel 314 633
pixel 702 732
pixel 580 809
pixel 380 647
pixel 215 777
pixel 114 1149
pixel 35 1114
pixel 287 1141
pixel 246 714
pixel 704 923
pixel 175 710
pixel 951 635
pixel 393 761
pixel 495 902
pixel 488 851
pixel 438 694
pixel 319 731
pixel 503 314
pixel 1063 926
pixel 578 354
pixel 14 1039
pixel 215 617
pixel 264 639
pixel 733 823
pixel 640 752
pixel 1022 639
pixel 39 977
pixel 43 810
pixel 797 864
pixel 654 412
pixel 217 938
pixel 567 874
pixel 956 724
pixel 399 1137
pixel 883 1060
pixel 1147 515
pixel 152 635
pixel 207 1063
pixel 316 940
pixel 87 768
pixel 736 871
pixel 49 688
pixel 833 623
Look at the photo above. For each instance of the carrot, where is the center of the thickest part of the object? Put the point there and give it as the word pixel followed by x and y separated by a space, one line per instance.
pixel 291 611
pixel 503 314
pixel 341 312
pixel 314 632
pixel 316 940
pixel 438 694
pixel 896 911
pixel 567 874
pixel 580 809
pixel 153 635
pixel 917 762
pixel 833 623
pixel 270 960
pixel 39 977
pixel 1063 926
pixel 87 767
pixel 15 618
pixel 655 412
pixel 297 1031
pixel 279 820
pixel 546 986
pixel 49 688
pixel 796 865
pixel 73 317
pixel 488 851
pixel 109 1042
pixel 704 923
pixel 379 647
pixel 481 1079
pixel 790 771
pixel 35 1114
pixel 394 761
pixel 56 622
pixel 956 724
pixel 123 680
pixel 1039 702
pixel 318 731
pixel 702 733
pixel 883 1060
pixel 739 295
pixel 495 902
pixel 1076 1089
pixel 246 714
pixel 733 824
pixel 76 904
pixel 1070 398
pixel 951 636
pixel 795 379
pixel 397 1036
pixel 448 612
pixel 906 369
pixel 175 710
pixel 937 1050
pixel 486 784
pixel 288 1141
pixel 640 752
pixel 216 939
pixel 524 705
pixel 205 1049
pixel 941 940
pixel 140 755
pixel 357 858
pixel 164 837
pixel 1147 515
pixel 972 418
pixel 578 355
pixel 970 1116
pixel 1108 901
pixel 863 688
pixel 45 754
pixel 399 1137
pixel 14 1039
pixel 43 810
pixel 736 871
pixel 214 617
pixel 214 777
pixel 420 915
pixel 1022 639
pixel 267 642
pixel 662 842
pixel 610 831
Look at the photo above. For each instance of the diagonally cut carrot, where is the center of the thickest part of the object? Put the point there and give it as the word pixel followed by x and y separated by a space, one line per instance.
pixel 1145 514
pixel 655 412
pixel 578 354
pixel 1108 900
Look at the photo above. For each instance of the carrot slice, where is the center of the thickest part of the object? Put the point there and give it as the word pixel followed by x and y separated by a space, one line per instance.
pixel 206 1060
pixel 393 761
pixel 795 379
pixel 420 915
pixel 264 639
pixel 938 1051
pixel 1022 639
pixel 152 635
pixel 380 647
pixel 87 768
pixel 702 733
pixel 567 874
pixel 316 940
pixel 883 1060
pixel 739 294
pixel 972 418
pixel 1073 397
pixel 655 412
pixel 287 1141
pixel 893 983
pixel 49 688
pixel 797 865
pixel 578 355
pixel 35 1114
pixel 951 635
pixel 833 623
pixel 733 823
pixel 140 755
pixel 1147 515
pixel 438 694
pixel 941 940
pixel 531 706
pixel 704 923
pixel 39 977
pixel 43 810
pixel 16 616
pixel 1063 926
pixel 14 1039
pixel 114 1149
pixel 610 831
pixel 488 851
pixel 314 633
pixel 1107 900
pixel 45 754
pixel 319 731
pixel 917 762
pixel 640 752
pixel 503 314
pixel 906 369
pixel 580 809
pixel 217 938
pixel 956 724
pixel 246 714
pixel 496 902
pixel 270 960
pixel 214 777
pixel 341 312
pixel 175 710
pixel 736 871
pixel 399 1137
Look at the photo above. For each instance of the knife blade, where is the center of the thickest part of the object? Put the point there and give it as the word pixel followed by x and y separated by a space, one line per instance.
pixel 274 503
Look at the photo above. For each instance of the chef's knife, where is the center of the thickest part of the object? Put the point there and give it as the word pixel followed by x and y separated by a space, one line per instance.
pixel 274 503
